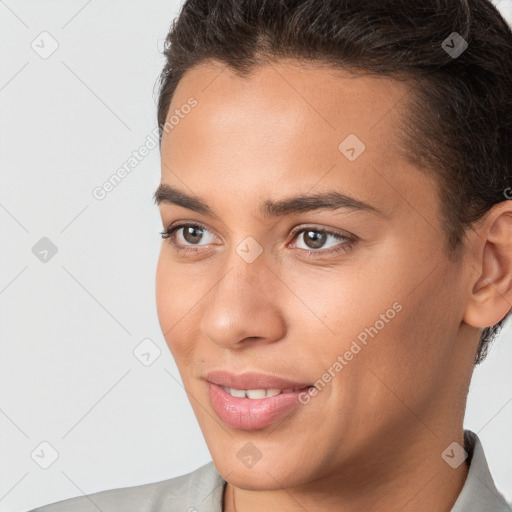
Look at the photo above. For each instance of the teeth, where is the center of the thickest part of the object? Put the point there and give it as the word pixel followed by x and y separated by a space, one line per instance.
pixel 256 394
pixel 240 393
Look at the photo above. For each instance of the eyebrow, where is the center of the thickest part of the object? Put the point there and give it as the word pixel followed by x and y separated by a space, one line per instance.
pixel 331 200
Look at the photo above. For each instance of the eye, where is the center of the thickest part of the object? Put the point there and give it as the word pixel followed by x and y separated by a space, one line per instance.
pixel 316 238
pixel 192 234
pixel 183 237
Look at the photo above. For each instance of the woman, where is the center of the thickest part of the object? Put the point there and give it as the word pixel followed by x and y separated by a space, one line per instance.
pixel 337 251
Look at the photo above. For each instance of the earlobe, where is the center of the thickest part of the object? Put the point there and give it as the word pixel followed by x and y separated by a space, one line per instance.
pixel 491 296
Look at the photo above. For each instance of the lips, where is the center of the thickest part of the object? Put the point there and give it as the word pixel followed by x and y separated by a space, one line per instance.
pixel 252 413
pixel 252 381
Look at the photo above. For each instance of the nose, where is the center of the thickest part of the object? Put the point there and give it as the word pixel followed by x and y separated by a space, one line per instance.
pixel 244 306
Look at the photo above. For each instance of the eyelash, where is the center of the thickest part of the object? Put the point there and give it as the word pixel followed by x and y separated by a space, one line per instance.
pixel 170 233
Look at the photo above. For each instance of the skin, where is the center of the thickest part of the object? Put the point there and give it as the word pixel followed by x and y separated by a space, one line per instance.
pixel 372 438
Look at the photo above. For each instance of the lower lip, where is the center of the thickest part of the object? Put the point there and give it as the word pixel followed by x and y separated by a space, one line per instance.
pixel 249 414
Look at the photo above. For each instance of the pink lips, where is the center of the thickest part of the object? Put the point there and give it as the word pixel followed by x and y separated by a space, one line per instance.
pixel 252 414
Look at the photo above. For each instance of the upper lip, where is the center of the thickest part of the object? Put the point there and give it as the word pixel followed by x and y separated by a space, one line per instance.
pixel 251 380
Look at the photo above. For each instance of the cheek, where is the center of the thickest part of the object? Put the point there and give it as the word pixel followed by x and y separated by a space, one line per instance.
pixel 178 303
pixel 341 302
pixel 170 298
pixel 163 295
pixel 411 355
pixel 386 315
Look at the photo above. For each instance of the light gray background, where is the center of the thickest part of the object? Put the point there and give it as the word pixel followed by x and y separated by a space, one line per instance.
pixel 69 326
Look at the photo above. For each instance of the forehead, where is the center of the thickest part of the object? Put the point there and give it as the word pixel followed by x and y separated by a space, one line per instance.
pixel 278 92
pixel 294 125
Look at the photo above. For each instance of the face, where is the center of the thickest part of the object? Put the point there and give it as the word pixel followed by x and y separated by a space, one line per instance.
pixel 347 296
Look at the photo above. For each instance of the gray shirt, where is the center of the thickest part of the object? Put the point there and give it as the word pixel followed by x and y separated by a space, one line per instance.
pixel 202 491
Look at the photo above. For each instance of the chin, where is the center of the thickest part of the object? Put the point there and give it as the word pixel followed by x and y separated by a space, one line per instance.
pixel 263 476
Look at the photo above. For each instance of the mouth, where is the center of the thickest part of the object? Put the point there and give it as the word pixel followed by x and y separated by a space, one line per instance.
pixel 258 394
pixel 252 381
pixel 253 401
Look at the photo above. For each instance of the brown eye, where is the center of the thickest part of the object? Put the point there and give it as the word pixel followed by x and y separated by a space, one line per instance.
pixel 190 237
pixel 317 241
pixel 314 239
pixel 192 234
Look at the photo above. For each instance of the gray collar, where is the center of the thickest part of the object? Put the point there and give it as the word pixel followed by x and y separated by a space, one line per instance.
pixel 479 492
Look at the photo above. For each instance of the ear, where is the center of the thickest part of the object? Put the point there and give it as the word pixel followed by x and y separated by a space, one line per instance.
pixel 491 296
